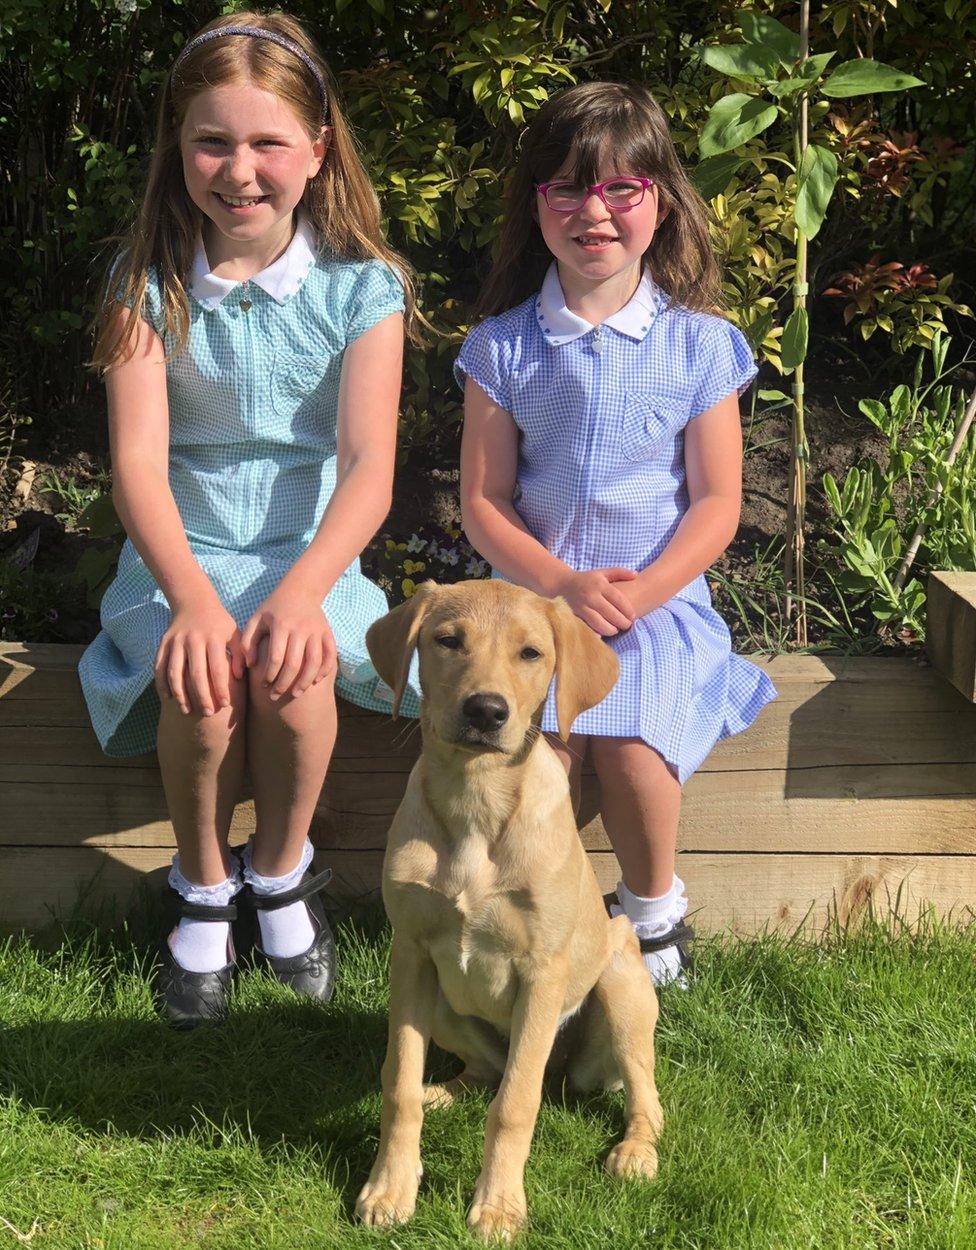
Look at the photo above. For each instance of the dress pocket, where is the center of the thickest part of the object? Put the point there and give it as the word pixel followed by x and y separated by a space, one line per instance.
pixel 649 425
pixel 294 380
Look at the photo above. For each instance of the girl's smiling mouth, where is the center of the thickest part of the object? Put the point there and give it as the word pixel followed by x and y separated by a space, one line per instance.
pixel 595 242
pixel 237 203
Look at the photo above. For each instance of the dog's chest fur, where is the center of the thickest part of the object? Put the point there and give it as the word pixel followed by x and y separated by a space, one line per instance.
pixel 455 899
pixel 469 870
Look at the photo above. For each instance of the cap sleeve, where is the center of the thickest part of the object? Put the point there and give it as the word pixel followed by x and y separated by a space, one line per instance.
pixel 724 365
pixel 378 293
pixel 486 358
pixel 152 302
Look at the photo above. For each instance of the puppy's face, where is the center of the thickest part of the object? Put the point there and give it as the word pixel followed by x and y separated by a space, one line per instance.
pixel 486 661
pixel 488 651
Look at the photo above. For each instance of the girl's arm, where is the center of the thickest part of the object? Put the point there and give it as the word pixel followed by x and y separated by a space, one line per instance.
pixel 192 661
pixel 713 467
pixel 489 463
pixel 301 650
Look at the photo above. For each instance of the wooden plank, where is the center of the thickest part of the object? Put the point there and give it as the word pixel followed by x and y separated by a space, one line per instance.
pixel 892 810
pixel 860 762
pixel 950 637
pixel 729 893
pixel 913 717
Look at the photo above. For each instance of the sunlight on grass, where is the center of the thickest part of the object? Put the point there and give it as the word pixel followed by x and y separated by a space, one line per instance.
pixel 816 1096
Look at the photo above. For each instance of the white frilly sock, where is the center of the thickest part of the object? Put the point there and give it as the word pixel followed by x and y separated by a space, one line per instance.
pixel 651 917
pixel 203 945
pixel 290 930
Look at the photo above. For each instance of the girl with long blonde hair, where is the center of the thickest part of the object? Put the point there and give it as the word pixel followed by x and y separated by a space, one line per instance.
pixel 251 336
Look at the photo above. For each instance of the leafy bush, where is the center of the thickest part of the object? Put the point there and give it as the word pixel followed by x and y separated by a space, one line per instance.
pixel 882 501
pixel 439 96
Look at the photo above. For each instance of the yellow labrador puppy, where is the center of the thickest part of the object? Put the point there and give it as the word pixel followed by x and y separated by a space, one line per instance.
pixel 502 949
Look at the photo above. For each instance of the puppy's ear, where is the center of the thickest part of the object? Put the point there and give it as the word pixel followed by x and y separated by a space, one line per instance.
pixel 392 639
pixel 586 668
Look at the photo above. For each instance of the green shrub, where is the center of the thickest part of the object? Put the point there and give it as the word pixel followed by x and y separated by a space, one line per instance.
pixel 439 95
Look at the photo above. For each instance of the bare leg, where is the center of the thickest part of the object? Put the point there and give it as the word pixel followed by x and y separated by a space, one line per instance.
pixel 289 745
pixel 571 754
pixel 640 801
pixel 201 759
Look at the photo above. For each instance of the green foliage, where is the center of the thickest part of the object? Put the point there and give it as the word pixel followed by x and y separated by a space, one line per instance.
pixel 882 500
pixel 79 497
pixel 908 304
pixel 770 61
pixel 438 97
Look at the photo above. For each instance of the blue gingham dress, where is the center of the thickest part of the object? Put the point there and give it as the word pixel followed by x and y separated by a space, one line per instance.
pixel 601 414
pixel 253 404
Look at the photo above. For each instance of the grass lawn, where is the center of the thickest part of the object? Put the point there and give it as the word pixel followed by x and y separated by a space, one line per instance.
pixel 816 1096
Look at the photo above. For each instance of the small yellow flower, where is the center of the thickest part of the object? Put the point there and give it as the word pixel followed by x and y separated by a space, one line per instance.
pixel 409 587
pixel 413 566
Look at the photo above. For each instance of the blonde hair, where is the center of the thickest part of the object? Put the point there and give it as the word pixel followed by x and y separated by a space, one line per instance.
pixel 339 200
pixel 583 125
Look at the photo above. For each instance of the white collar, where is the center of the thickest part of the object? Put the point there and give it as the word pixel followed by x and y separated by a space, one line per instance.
pixel 559 325
pixel 281 279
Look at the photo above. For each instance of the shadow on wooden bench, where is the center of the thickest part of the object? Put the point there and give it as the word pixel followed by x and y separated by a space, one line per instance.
pixel 860 780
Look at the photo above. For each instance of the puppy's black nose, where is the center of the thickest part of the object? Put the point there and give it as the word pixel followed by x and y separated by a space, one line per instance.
pixel 485 711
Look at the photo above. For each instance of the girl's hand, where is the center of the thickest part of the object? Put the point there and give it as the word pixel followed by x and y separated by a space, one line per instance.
pixel 301 649
pixel 598 602
pixel 197 656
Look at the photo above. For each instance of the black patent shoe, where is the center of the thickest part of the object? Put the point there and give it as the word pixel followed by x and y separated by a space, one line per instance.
pixel 312 973
pixel 187 999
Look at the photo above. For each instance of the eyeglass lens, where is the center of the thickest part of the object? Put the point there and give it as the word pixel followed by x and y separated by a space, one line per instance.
pixel 624 193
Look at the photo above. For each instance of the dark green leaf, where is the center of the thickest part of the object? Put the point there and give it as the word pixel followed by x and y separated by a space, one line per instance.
pixel 714 174
pixel 741 60
pixel 761 29
pixel 818 174
pixel 733 121
pixel 793 349
pixel 100 518
pixel 865 77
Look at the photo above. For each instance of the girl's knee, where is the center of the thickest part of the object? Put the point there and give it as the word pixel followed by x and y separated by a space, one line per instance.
pixel 630 760
pixel 207 732
pixel 287 706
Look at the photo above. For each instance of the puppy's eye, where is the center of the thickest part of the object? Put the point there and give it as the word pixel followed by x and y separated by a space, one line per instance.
pixel 450 642
pixel 530 653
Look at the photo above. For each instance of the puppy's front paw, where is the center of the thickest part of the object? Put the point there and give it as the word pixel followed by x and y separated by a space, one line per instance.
pixel 497 1216
pixel 633 1157
pixel 389 1196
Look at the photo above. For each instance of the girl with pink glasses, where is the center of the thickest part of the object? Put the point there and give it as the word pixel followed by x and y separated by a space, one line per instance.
pixel 601 461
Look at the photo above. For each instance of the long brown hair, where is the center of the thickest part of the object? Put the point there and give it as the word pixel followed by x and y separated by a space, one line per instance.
pixel 340 199
pixel 583 125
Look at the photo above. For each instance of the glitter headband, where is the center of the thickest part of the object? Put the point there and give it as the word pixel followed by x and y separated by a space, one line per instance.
pixel 258 33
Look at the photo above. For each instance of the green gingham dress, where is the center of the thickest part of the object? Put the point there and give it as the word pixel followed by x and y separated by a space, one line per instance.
pixel 253 402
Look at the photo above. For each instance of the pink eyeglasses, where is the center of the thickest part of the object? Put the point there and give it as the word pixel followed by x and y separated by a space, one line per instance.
pixel 619 195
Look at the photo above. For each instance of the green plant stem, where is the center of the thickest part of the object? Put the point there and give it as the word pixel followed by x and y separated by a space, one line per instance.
pixel 795 574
